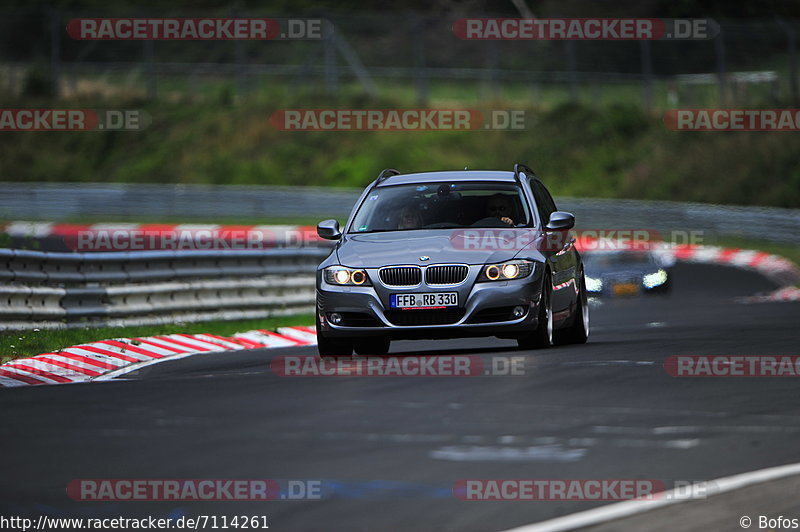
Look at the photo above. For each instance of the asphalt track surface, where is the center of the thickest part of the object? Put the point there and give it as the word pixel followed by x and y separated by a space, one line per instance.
pixel 393 447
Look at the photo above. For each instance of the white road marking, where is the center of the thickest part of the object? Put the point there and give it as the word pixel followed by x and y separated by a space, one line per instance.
pixel 620 510
pixel 475 453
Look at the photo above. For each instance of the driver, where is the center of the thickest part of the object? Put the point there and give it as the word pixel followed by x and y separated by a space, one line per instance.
pixel 499 206
pixel 410 218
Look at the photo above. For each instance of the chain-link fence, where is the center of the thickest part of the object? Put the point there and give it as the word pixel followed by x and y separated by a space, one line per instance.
pixel 409 56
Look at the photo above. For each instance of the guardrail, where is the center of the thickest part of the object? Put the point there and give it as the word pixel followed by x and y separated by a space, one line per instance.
pixel 68 290
pixel 139 202
pixel 757 223
pixel 64 290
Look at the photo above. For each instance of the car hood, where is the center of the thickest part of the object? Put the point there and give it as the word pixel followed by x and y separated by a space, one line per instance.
pixel 374 250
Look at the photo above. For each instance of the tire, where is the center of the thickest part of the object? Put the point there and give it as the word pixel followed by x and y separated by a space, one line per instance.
pixel 578 332
pixel 373 346
pixel 542 336
pixel 333 347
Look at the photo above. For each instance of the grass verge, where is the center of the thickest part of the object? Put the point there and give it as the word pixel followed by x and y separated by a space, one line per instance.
pixel 20 344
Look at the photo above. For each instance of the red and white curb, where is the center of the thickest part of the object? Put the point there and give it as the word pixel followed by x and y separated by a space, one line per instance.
pixel 773 266
pixel 107 358
pixel 781 270
pixel 788 293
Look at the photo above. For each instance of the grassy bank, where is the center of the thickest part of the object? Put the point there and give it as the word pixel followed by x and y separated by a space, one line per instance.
pixel 613 151
pixel 19 344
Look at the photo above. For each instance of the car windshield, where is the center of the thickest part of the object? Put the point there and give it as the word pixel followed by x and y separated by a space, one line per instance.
pixel 442 205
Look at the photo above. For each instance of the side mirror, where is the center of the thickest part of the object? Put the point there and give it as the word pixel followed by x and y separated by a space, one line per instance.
pixel 329 230
pixel 560 221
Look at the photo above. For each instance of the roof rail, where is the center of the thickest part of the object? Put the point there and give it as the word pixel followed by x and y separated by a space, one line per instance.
pixel 522 168
pixel 386 173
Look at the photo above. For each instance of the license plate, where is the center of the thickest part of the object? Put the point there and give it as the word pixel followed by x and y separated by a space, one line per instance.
pixel 429 300
pixel 624 289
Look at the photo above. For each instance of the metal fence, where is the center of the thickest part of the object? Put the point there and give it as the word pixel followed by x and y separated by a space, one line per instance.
pixel 385 54
pixel 56 290
pixel 139 202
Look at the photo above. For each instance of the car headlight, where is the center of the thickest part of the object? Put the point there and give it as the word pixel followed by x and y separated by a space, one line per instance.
pixel 652 280
pixel 340 275
pixel 593 285
pixel 505 271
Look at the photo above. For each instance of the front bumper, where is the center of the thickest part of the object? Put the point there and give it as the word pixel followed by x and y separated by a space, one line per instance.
pixel 481 311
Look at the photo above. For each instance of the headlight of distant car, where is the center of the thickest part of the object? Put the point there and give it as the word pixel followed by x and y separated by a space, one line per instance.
pixel 505 271
pixel 652 280
pixel 594 285
pixel 346 276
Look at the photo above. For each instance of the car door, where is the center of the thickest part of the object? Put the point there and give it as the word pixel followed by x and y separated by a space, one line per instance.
pixel 562 256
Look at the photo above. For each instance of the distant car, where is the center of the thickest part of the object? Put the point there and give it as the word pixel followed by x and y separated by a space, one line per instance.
pixel 626 272
pixel 446 255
